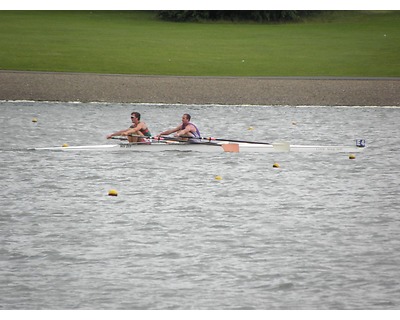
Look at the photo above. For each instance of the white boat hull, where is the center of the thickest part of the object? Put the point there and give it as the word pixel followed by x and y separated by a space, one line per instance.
pixel 213 147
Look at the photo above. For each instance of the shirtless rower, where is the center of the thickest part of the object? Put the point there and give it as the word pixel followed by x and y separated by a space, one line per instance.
pixel 137 129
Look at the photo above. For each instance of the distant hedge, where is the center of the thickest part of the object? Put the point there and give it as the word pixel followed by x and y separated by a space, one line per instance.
pixel 233 15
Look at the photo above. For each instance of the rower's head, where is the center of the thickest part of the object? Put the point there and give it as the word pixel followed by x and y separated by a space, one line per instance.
pixel 135 115
pixel 186 118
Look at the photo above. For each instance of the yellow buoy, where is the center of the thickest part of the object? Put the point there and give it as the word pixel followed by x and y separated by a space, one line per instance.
pixel 113 193
pixel 250 128
pixel 34 120
pixel 352 156
pixel 218 178
pixel 276 165
pixel 65 145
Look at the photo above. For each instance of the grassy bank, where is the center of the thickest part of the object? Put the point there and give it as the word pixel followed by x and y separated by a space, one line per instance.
pixel 340 44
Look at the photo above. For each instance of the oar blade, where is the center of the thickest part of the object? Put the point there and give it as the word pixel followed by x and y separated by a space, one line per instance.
pixel 230 147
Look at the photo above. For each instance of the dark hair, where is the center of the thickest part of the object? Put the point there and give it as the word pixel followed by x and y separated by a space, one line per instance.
pixel 137 115
pixel 187 116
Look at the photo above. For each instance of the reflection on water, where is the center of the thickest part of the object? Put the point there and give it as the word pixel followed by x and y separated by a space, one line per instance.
pixel 320 232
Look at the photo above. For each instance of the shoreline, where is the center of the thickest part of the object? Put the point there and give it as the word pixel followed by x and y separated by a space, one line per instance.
pixel 271 91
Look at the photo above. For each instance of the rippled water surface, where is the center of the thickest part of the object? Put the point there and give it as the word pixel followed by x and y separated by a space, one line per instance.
pixel 320 232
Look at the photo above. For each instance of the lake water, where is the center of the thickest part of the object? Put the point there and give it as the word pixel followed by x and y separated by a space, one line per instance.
pixel 320 232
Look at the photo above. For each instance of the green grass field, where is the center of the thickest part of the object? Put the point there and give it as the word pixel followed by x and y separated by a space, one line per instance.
pixel 362 44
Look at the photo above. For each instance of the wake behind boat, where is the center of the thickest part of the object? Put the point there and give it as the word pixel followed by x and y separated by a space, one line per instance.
pixel 156 145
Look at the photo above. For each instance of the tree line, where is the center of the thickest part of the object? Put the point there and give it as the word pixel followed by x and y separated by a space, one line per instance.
pixel 263 16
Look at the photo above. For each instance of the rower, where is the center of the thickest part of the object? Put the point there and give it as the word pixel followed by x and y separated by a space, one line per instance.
pixel 186 129
pixel 136 131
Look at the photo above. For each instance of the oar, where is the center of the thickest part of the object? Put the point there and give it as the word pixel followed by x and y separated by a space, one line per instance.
pixel 227 140
pixel 119 138
pixel 234 147
pixel 159 138
pixel 278 146
pixel 163 140
pixel 144 137
pixel 133 135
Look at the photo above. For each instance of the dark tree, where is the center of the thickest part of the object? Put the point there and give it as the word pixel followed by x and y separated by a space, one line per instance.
pixel 262 16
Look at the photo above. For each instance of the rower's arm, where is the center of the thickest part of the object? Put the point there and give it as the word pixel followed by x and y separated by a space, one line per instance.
pixel 132 130
pixel 188 129
pixel 170 131
pixel 118 133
